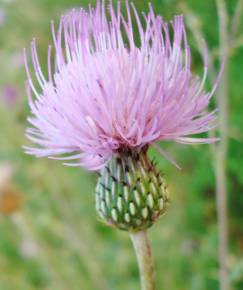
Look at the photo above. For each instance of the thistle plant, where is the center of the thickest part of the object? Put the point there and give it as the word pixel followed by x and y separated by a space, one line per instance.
pixel 108 99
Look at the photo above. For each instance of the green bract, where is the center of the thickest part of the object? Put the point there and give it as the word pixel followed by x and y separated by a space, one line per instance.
pixel 131 193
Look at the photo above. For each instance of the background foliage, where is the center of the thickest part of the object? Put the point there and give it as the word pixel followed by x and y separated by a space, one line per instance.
pixel 50 236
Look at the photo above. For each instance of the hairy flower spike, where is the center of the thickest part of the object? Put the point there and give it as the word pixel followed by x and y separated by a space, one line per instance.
pixel 107 93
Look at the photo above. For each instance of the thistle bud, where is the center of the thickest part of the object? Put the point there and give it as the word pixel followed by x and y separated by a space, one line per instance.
pixel 131 194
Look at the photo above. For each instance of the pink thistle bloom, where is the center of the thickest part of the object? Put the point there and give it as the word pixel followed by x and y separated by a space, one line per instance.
pixel 108 92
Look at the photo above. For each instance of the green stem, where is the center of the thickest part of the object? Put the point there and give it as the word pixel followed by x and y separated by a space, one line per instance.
pixel 145 260
pixel 222 147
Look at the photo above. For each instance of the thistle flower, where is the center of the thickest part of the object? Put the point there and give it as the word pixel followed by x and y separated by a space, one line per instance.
pixel 110 97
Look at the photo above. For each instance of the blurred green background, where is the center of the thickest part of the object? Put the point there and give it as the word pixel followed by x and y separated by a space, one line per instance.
pixel 50 235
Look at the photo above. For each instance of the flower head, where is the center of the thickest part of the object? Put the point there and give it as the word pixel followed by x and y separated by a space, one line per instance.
pixel 111 92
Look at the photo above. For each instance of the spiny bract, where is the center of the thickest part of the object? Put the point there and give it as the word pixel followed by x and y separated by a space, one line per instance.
pixel 131 194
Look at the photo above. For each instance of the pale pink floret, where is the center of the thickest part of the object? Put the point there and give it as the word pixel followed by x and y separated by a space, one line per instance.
pixel 108 92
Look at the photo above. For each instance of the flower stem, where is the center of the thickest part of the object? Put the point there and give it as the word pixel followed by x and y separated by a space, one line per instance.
pixel 145 260
pixel 222 147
